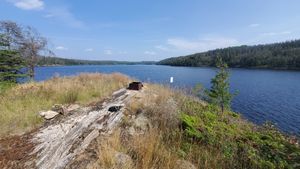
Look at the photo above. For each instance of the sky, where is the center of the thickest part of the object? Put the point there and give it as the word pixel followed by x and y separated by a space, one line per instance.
pixel 144 30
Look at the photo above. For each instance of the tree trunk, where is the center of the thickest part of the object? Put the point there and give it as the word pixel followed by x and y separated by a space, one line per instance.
pixel 222 108
pixel 31 72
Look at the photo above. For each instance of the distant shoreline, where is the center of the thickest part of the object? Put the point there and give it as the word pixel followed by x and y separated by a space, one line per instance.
pixel 89 65
pixel 249 68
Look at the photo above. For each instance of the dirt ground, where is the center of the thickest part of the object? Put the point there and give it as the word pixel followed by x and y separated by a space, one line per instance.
pixel 15 151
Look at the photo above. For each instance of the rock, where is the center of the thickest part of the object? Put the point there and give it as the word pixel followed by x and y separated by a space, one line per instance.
pixel 73 107
pixel 119 92
pixel 131 131
pixel 183 164
pixel 48 114
pixel 59 108
pixel 122 161
pixel 140 125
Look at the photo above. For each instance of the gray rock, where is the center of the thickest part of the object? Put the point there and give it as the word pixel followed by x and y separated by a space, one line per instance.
pixel 48 114
pixel 123 161
pixel 59 108
pixel 73 107
pixel 183 164
pixel 142 123
pixel 139 125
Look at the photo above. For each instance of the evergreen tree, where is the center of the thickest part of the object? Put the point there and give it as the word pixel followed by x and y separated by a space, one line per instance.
pixel 10 63
pixel 285 55
pixel 219 93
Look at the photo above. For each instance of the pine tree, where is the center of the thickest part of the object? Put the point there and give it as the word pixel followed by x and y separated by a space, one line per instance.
pixel 10 63
pixel 219 93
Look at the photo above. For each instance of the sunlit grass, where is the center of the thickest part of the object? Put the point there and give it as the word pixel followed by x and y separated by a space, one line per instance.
pixel 19 105
pixel 184 127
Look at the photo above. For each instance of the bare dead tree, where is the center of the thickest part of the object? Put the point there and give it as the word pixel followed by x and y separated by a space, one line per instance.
pixel 32 45
pixel 11 34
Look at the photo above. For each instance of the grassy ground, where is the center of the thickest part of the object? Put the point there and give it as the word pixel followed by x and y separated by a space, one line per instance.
pixel 184 127
pixel 19 105
pixel 5 85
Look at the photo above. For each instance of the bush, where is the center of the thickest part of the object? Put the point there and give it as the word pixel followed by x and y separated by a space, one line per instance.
pixel 241 144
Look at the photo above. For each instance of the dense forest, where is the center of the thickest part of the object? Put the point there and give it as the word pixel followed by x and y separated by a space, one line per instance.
pixel 51 61
pixel 285 55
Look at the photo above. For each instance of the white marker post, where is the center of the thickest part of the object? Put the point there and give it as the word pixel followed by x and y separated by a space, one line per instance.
pixel 171 79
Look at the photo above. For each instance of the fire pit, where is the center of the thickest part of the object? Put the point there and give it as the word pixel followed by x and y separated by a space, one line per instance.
pixel 135 86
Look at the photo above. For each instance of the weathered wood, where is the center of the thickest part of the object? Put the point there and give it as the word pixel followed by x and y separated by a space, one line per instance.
pixel 59 143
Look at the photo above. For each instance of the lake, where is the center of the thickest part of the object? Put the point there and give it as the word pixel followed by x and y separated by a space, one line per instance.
pixel 263 95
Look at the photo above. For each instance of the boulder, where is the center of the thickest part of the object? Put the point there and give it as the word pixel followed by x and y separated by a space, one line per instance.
pixel 73 107
pixel 142 123
pixel 48 114
pixel 139 125
pixel 122 160
pixel 59 108
pixel 183 164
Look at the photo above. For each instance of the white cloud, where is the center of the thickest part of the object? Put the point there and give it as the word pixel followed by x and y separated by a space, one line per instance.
pixel 202 44
pixel 65 16
pixel 108 52
pixel 149 53
pixel 28 4
pixel 61 48
pixel 276 33
pixel 59 13
pixel 89 50
pixel 254 25
pixel 163 48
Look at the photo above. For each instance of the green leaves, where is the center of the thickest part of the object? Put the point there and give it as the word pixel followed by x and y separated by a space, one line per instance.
pixel 10 66
pixel 219 93
pixel 240 143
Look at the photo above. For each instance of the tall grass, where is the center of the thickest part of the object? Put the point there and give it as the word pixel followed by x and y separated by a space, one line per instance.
pixel 19 106
pixel 184 127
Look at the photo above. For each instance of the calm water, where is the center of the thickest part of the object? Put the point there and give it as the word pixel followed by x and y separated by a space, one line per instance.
pixel 264 95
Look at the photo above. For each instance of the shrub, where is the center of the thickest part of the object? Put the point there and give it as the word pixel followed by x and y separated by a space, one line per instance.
pixel 240 144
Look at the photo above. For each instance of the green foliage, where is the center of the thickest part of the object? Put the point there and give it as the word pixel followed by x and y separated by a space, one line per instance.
pixel 4 85
pixel 284 55
pixel 240 143
pixel 219 93
pixel 190 124
pixel 200 92
pixel 10 64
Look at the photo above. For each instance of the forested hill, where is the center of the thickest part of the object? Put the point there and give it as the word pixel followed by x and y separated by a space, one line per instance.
pixel 285 55
pixel 52 61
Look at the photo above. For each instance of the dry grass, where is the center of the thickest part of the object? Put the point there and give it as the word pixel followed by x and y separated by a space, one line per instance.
pixel 167 141
pixel 107 149
pixel 160 105
pixel 145 151
pixel 20 105
pixel 149 151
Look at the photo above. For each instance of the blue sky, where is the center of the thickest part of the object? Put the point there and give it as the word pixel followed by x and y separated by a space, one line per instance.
pixel 136 30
